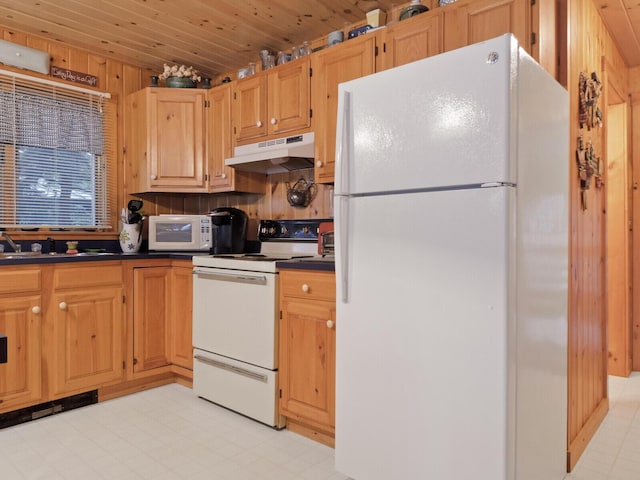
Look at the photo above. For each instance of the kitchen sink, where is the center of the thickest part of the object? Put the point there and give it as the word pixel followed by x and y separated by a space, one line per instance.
pixel 14 255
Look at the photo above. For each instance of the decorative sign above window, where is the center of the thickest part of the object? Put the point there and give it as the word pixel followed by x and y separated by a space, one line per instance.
pixel 76 77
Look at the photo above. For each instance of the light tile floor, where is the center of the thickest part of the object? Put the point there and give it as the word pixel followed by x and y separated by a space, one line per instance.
pixel 168 433
pixel 160 434
pixel 614 451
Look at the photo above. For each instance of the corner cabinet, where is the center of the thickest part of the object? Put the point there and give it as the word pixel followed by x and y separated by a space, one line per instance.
pixel 165 140
pixel 307 353
pixel 332 66
pixel 181 315
pixel 85 328
pixel 272 103
pixel 21 313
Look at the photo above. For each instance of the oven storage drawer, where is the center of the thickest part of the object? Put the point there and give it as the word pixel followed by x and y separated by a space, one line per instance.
pixel 239 386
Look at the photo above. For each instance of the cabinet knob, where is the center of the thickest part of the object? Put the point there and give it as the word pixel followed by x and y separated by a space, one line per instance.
pixel 35 310
pixel 224 175
pixel 273 121
pixel 258 124
pixel 305 288
pixel 319 163
pixel 154 177
pixel 62 305
pixel 330 324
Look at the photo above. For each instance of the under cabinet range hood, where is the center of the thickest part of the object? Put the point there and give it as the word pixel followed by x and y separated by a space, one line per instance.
pixel 279 155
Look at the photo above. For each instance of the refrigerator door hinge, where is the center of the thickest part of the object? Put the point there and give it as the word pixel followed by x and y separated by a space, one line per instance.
pixel 533 38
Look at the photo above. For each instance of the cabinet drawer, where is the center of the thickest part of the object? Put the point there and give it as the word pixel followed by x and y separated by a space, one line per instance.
pixel 13 280
pixel 95 275
pixel 306 284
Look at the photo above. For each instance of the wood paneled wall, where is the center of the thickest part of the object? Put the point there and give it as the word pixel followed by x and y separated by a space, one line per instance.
pixel 119 80
pixel 590 49
pixel 634 98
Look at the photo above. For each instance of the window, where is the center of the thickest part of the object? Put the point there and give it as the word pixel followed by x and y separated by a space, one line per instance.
pixel 55 144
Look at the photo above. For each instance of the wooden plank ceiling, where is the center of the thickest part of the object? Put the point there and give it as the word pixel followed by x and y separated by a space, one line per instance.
pixel 214 36
pixel 622 18
pixel 220 36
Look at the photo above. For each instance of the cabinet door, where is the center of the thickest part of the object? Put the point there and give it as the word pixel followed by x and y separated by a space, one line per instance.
pixel 221 177
pixel 181 351
pixel 307 363
pixel 20 377
pixel 340 63
pixel 177 146
pixel 288 97
pixel 87 338
pixel 151 295
pixel 219 131
pixel 471 21
pixel 250 108
pixel 412 39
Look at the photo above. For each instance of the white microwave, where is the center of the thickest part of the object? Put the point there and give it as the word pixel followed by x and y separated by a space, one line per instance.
pixel 180 232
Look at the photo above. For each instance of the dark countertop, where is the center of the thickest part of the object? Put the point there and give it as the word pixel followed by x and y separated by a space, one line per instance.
pixel 326 264
pixel 8 259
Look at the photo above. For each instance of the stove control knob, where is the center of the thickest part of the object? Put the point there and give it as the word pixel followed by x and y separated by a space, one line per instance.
pixel 305 288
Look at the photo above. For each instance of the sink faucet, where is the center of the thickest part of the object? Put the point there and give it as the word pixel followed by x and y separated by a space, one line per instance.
pixel 5 235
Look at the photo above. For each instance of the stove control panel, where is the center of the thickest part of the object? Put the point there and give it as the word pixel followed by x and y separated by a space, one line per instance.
pixel 292 230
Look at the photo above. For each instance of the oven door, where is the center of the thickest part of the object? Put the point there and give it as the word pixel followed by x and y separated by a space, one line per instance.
pixel 234 315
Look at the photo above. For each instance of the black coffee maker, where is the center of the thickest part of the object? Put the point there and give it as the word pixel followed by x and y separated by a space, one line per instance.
pixel 229 230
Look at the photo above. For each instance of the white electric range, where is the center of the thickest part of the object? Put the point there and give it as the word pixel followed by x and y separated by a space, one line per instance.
pixel 235 320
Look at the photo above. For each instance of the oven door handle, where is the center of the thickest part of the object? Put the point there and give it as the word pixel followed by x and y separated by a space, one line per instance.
pixel 232 368
pixel 231 277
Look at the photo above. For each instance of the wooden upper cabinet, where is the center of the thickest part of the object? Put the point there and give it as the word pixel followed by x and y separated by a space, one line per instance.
pixel 219 147
pixel 165 140
pixel 413 39
pixel 272 103
pixel 471 21
pixel 250 108
pixel 288 97
pixel 331 66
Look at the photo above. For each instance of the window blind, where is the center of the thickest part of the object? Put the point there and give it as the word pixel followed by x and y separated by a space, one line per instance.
pixel 55 149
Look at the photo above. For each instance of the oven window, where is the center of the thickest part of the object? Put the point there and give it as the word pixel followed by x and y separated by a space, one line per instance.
pixel 174 232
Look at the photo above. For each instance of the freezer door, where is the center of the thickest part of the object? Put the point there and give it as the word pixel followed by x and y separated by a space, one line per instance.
pixel 444 120
pixel 422 359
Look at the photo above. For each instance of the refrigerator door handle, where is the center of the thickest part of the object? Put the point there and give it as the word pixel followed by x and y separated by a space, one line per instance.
pixel 343 238
pixel 344 144
pixel 342 160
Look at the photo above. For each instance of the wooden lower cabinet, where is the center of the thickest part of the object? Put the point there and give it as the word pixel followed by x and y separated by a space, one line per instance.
pixel 181 315
pixel 307 353
pixel 21 321
pixel 84 328
pixel 151 293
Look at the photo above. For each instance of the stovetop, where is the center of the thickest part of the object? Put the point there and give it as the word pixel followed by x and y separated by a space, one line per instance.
pixel 280 240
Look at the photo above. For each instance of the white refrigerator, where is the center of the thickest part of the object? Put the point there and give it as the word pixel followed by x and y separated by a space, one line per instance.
pixel 451 218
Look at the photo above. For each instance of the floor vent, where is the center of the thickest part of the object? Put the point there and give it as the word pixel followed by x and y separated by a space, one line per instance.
pixel 27 414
